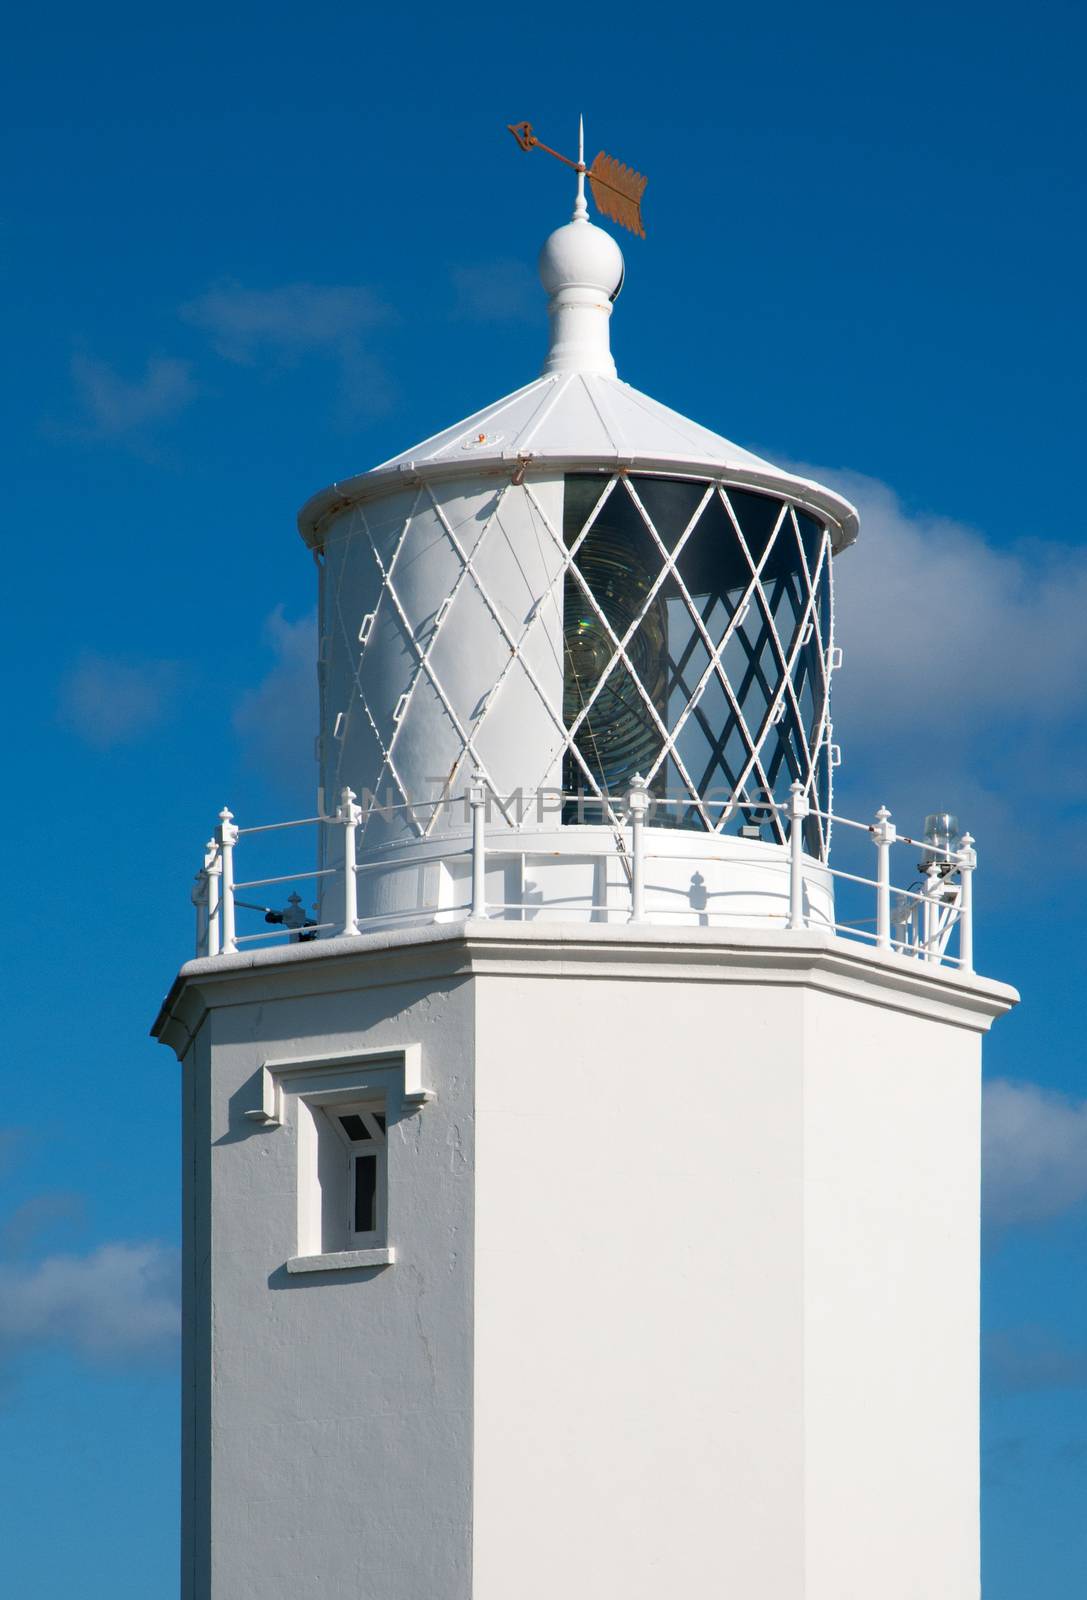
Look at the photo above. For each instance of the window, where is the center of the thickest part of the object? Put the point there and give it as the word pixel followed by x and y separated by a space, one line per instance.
pixel 340 1110
pixel 362 1130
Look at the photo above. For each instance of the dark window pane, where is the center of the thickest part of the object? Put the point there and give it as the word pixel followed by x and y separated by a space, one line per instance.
pixel 811 537
pixel 758 515
pixel 712 562
pixel 380 1120
pixel 580 494
pixel 365 1194
pixel 670 504
pixel 355 1129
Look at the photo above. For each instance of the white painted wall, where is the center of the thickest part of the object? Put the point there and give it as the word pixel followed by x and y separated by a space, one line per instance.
pixel 639 1289
pixel 337 1458
pixel 726 1293
pixel 686 1279
pixel 892 1106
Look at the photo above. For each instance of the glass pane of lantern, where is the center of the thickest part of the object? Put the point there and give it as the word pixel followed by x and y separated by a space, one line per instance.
pixel 618 564
pixel 712 563
pixel 581 491
pixel 670 504
pixel 811 538
pixel 717 598
pixel 617 738
pixel 758 516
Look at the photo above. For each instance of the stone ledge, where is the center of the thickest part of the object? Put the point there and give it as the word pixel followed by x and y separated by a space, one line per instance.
pixel 342 1260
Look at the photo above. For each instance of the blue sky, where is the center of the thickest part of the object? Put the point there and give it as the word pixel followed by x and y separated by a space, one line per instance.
pixel 246 250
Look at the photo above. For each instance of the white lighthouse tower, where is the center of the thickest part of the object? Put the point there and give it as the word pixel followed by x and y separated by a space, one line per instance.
pixel 579 1203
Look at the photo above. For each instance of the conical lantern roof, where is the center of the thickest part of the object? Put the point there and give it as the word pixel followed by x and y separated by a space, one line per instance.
pixel 578 416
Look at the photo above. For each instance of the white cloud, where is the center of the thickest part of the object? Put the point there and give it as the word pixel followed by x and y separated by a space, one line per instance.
pixel 942 627
pixel 293 317
pixel 118 1303
pixel 296 319
pixel 278 719
pixel 964 683
pixel 108 701
pixel 115 407
pixel 1034 1153
pixel 496 291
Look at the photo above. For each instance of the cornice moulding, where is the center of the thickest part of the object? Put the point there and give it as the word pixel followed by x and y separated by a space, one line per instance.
pixel 617 952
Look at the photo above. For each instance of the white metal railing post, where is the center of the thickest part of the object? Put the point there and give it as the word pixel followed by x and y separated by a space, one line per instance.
pixel 967 860
pixel 798 811
pixel 227 837
pixel 205 897
pixel 350 814
pixel 930 909
pixel 477 801
pixel 214 871
pixel 884 833
pixel 637 806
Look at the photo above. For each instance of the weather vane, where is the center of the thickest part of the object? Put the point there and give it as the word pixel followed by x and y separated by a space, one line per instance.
pixel 617 190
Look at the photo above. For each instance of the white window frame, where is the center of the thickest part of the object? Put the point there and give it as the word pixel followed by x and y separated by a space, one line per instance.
pixel 304 1094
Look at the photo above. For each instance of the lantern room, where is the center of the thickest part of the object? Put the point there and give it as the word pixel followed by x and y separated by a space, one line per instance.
pixel 572 591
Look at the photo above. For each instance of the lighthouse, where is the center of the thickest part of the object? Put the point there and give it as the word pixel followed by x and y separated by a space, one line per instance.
pixel 580 1199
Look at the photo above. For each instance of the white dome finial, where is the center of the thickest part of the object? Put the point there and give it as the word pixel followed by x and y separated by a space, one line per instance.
pixel 582 268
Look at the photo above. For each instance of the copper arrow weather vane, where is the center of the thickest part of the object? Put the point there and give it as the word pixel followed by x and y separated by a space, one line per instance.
pixel 617 190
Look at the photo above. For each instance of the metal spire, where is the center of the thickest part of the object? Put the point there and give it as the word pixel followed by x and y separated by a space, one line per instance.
pixel 581 210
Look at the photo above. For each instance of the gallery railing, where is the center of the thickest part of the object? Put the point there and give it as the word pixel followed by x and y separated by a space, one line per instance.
pixel 928 920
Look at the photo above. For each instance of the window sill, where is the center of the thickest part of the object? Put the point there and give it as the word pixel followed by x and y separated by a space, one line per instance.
pixel 342 1260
